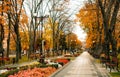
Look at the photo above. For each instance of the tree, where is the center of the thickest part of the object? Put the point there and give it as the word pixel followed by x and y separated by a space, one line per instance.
pixel 58 16
pixel 1 29
pixel 88 18
pixel 104 23
pixel 14 14
pixel 109 12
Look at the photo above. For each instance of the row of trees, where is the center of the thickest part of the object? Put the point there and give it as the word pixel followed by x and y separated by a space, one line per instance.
pixel 101 21
pixel 27 24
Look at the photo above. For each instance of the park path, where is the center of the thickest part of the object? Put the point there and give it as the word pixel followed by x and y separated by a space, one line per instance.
pixel 83 66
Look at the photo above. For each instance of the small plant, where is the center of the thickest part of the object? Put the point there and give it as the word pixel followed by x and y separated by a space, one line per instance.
pixel 23 59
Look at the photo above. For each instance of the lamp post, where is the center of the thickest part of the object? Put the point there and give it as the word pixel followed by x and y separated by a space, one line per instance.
pixel 71 44
pixel 93 45
pixel 75 45
pixel 41 29
pixel 43 50
pixel 34 31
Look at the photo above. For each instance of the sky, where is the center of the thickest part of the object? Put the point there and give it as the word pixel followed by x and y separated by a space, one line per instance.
pixel 77 4
pixel 74 6
pixel 79 32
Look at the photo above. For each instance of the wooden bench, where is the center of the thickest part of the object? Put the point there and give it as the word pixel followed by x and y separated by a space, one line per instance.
pixel 112 64
pixel 104 59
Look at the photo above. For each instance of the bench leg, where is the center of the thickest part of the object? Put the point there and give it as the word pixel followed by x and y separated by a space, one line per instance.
pixel 110 68
pixel 106 66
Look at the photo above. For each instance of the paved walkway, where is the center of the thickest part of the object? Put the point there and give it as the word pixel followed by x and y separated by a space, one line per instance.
pixel 82 66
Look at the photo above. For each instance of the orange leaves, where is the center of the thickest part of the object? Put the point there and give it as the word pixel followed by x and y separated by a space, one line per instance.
pixel 88 18
pixel 5 6
pixel 24 40
pixel 118 44
pixel 19 1
pixel 24 19
pixel 3 9
pixel 2 20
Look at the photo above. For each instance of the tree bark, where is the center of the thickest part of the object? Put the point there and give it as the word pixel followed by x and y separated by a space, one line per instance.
pixel 8 39
pixel 109 23
pixel 2 35
pixel 112 27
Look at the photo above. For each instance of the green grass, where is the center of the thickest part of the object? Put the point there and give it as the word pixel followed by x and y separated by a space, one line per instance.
pixel 115 74
pixel 23 59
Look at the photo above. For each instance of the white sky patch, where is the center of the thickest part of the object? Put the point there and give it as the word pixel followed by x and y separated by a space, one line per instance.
pixel 75 5
pixel 79 32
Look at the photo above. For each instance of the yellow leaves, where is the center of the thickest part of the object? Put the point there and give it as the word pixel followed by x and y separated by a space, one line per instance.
pixel 118 43
pixel 88 18
pixel 12 44
pixel 24 40
pixel 47 35
pixel 117 33
pixel 19 1
pixel 87 15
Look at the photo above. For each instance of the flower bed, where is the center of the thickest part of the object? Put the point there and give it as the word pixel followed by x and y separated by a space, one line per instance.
pixel 62 60
pixel 14 70
pixel 36 72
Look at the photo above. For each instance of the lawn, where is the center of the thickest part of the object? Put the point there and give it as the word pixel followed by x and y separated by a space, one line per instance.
pixel 115 74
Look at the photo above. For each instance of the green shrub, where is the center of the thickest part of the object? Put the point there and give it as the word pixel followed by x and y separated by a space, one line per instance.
pixel 11 72
pixel 118 60
pixel 115 74
pixel 23 59
pixel 55 65
pixel 44 66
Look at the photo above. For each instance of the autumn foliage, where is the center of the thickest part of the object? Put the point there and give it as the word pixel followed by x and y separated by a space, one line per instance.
pixel 101 32
pixel 36 72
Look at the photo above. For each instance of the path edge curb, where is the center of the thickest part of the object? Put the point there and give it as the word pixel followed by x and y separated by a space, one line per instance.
pixel 60 69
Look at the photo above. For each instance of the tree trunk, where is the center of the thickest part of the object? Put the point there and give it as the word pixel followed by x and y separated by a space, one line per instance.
pixel 2 35
pixel 30 44
pixel 112 27
pixel 109 23
pixel 18 41
pixel 8 39
pixel 105 26
pixel 1 41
